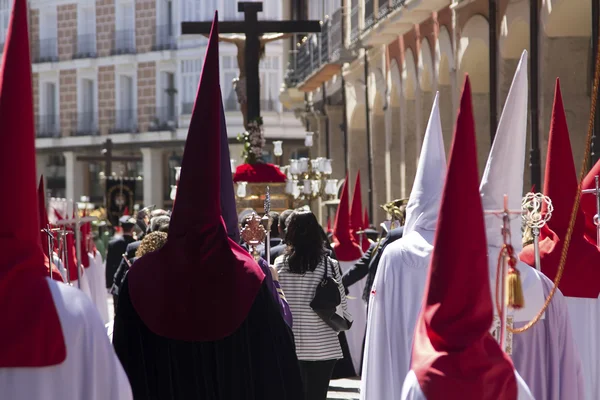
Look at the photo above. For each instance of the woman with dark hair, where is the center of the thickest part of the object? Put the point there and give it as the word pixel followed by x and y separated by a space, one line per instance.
pixel 301 270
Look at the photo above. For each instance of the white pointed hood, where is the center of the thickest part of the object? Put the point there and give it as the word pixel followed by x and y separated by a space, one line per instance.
pixel 506 163
pixel 423 204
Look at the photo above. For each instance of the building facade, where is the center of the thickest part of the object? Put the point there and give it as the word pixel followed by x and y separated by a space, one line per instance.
pixel 373 72
pixel 121 70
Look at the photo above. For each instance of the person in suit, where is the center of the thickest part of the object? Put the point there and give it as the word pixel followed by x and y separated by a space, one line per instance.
pixel 116 248
pixel 282 225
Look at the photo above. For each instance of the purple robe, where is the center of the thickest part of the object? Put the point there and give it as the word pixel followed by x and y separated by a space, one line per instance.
pixel 552 368
pixel 276 292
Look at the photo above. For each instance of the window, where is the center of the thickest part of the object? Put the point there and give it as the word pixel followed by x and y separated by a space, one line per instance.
pixel 271 10
pixel 48 118
pixel 86 28
pixel 270 83
pixel 167 96
pixel 48 50
pixel 190 76
pixel 229 73
pixel 5 6
pixel 125 26
pixel 87 118
pixel 209 8
pixel 191 10
pixel 126 110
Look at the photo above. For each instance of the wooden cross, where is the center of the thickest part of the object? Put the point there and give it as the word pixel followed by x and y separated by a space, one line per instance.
pixel 108 158
pixel 253 29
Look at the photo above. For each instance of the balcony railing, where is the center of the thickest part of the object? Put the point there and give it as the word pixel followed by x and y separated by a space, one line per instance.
pixel 369 14
pixel 319 49
pixel 354 25
pixel 165 119
pixel 186 108
pixel 124 42
pixel 86 46
pixel 164 38
pixel 268 105
pixel 385 7
pixel 45 50
pixel 125 121
pixel 46 126
pixel 85 123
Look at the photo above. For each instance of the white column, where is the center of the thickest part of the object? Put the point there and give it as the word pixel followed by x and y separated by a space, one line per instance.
pixel 153 176
pixel 74 176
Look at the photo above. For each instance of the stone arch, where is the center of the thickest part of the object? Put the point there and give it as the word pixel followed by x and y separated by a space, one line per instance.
pixel 514 30
pixel 566 18
pixel 409 75
pixel 445 71
pixel 397 164
pixel 427 80
pixel 473 58
pixel 473 53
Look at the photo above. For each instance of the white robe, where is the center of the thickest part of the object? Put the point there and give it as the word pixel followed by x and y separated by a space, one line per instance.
pixel 91 370
pixel 396 299
pixel 96 276
pixel 412 390
pixel 585 321
pixel 358 309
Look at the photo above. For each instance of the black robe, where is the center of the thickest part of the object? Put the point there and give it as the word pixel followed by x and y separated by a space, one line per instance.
pixel 256 362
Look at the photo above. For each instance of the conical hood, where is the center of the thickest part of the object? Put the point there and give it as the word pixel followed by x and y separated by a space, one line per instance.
pixel 329 230
pixel 422 209
pixel 505 166
pixel 220 279
pixel 346 248
pixel 227 195
pixel 581 277
pixel 588 203
pixel 24 286
pixel 454 356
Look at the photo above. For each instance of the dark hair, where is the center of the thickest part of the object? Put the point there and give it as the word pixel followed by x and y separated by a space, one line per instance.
pixel 274 224
pixel 283 221
pixel 304 239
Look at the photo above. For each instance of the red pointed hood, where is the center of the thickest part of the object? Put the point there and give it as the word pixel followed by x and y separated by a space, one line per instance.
pixel 26 296
pixel 581 276
pixel 329 230
pixel 346 248
pixel 454 356
pixel 220 279
pixel 43 235
pixel 588 203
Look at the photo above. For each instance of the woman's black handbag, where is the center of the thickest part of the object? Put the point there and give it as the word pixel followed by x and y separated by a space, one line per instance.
pixel 326 301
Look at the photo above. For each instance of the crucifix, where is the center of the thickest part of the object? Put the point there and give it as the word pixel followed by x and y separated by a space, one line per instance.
pixel 108 157
pixel 596 192
pixel 252 47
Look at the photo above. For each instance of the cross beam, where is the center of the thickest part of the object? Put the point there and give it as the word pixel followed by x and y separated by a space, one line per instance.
pixel 108 158
pixel 253 29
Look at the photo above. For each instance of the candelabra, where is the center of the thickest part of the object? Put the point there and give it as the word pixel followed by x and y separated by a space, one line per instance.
pixel 310 179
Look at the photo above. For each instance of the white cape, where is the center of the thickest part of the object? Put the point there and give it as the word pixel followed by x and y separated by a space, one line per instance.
pixel 91 370
pixel 394 307
pixel 358 309
pixel 96 276
pixel 412 391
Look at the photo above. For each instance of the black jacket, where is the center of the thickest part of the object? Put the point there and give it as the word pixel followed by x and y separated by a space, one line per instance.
pixel 124 267
pixel 367 265
pixel 114 254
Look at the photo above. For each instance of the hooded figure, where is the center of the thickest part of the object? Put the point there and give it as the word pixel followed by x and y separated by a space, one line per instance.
pixel 56 274
pixel 53 345
pixel 551 374
pixel 357 221
pixel 580 283
pixel 348 252
pixel 400 279
pixel 454 356
pixel 195 319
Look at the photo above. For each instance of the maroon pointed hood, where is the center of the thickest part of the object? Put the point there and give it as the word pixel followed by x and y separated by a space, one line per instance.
pixel 581 276
pixel 346 248
pixel 454 356
pixel 200 285
pixel 35 337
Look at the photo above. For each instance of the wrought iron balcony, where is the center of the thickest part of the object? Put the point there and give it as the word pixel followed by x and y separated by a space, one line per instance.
pixel 46 126
pixel 165 119
pixel 164 38
pixel 369 14
pixel 124 42
pixel 45 50
pixel 186 108
pixel 125 121
pixel 318 57
pixel 84 124
pixel 86 46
